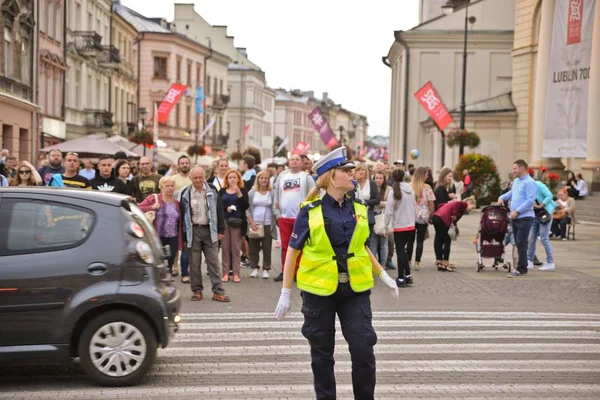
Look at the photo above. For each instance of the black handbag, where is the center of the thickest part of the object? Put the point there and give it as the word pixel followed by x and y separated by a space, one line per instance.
pixel 234 222
pixel 543 216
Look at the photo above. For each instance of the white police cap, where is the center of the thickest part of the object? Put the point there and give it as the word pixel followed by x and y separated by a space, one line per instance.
pixel 337 158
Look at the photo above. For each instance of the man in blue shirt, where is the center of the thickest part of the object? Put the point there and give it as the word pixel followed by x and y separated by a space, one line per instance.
pixel 522 198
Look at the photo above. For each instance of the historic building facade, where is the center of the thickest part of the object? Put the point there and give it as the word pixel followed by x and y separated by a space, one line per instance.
pixel 18 111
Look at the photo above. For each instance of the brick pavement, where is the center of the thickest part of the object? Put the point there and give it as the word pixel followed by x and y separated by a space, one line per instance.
pixel 452 335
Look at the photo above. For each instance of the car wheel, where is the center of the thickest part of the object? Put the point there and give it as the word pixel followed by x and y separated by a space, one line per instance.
pixel 117 348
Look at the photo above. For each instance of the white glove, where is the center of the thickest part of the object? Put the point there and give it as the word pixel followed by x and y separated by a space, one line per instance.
pixel 389 282
pixel 285 303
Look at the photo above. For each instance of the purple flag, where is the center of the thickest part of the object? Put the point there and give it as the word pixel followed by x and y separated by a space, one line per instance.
pixel 322 126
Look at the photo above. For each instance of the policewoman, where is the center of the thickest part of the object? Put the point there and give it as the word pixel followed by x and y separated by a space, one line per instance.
pixel 335 276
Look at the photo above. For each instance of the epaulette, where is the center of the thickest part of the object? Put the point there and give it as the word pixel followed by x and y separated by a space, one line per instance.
pixel 361 201
pixel 312 204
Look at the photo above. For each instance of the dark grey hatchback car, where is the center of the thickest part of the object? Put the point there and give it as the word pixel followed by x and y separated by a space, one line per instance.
pixel 82 276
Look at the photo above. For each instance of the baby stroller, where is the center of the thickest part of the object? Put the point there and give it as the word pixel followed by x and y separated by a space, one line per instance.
pixel 494 234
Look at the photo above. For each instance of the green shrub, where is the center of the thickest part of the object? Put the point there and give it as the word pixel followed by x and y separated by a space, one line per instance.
pixel 484 175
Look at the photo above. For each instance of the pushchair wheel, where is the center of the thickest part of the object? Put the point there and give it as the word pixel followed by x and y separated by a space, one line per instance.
pixel 478 267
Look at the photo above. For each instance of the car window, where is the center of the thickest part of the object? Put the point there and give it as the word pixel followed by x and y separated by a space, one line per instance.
pixel 34 226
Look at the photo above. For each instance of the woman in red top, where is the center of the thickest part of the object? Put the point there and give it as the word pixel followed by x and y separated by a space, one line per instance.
pixel 448 214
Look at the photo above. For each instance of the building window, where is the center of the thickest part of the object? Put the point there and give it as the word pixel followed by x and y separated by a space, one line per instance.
pixel 207 88
pixel 77 88
pixel 198 74
pixel 50 20
pixel 177 115
pixel 160 67
pixel 189 74
pixel 220 126
pixel 58 92
pixel 197 121
pixel 58 25
pixel 178 77
pixel 221 86
pixel 215 92
pixel 188 117
pixel 43 15
pixel 8 66
pixel 43 85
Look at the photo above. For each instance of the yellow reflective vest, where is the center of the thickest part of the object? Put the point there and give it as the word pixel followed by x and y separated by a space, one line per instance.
pixel 318 272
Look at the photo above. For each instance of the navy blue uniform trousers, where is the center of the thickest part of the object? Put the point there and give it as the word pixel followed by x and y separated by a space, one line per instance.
pixel 354 312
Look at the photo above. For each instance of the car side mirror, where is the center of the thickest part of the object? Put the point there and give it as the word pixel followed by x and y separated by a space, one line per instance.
pixel 166 251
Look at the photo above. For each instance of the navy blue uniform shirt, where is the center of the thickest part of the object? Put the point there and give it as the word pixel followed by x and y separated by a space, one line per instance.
pixel 340 221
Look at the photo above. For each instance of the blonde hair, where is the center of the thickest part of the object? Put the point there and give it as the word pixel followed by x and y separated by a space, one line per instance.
pixel 256 185
pixel 164 180
pixel 471 199
pixel 323 182
pixel 418 182
pixel 226 181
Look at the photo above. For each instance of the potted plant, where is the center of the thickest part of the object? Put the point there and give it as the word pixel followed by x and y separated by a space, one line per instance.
pixel 484 175
pixel 145 138
pixel 196 150
pixel 462 137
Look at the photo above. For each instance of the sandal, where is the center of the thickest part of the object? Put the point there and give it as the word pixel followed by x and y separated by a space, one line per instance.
pixel 444 266
pixel 185 279
pixel 236 279
pixel 225 278
pixel 221 297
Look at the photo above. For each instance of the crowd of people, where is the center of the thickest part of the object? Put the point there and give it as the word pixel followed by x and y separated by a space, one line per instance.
pixel 242 212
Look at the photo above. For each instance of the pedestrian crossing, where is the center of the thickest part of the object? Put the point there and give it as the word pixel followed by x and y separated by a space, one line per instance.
pixel 419 355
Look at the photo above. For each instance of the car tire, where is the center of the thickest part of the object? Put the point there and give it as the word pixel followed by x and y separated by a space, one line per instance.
pixel 117 348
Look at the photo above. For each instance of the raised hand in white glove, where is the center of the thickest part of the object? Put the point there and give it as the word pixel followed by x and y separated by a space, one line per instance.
pixel 389 282
pixel 284 305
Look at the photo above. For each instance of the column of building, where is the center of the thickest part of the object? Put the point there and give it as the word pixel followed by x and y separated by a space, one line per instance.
pixel 541 89
pixel 592 160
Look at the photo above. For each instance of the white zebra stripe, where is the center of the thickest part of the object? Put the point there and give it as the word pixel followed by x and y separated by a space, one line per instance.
pixel 438 349
pixel 294 334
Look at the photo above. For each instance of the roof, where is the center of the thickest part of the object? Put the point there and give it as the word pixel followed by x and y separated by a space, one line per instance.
pixel 138 21
pixel 282 95
pixel 80 194
pixel 499 103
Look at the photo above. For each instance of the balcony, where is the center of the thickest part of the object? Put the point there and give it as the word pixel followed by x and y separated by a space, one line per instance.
pixel 220 102
pixel 98 119
pixel 109 56
pixel 15 88
pixel 88 42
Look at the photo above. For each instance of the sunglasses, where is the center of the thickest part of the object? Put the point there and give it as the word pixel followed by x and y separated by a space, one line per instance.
pixel 25 172
pixel 71 153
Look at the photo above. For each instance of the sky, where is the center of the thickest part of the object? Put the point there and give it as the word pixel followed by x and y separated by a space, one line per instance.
pixel 332 46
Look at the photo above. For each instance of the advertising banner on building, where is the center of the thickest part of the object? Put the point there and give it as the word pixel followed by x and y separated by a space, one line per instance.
pixel 176 91
pixel 431 101
pixel 322 126
pixel 565 131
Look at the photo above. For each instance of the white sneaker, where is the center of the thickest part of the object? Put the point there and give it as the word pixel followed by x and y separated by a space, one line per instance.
pixel 529 264
pixel 547 267
pixel 254 273
pixel 265 274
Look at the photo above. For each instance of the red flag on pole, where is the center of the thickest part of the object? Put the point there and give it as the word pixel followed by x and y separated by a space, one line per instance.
pixel 431 101
pixel 246 129
pixel 300 148
pixel 176 91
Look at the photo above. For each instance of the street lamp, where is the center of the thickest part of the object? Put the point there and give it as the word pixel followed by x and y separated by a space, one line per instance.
pixel 448 8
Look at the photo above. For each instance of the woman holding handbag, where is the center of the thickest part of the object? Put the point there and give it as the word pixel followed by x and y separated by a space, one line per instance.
pixel 235 203
pixel 263 229
pixel 425 208
pixel 379 239
pixel 167 217
pixel 444 221
pixel 563 215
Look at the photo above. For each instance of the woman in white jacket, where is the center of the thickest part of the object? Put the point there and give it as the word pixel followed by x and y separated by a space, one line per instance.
pixel 400 209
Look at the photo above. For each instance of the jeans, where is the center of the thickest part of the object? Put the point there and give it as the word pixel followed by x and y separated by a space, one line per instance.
pixel 401 239
pixel 559 227
pixel 356 319
pixel 442 241
pixel 521 228
pixel 185 262
pixel 543 231
pixel 420 239
pixel 173 243
pixel 379 247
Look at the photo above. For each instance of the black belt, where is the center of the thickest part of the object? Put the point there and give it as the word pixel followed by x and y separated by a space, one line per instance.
pixel 342 256
pixel 200 226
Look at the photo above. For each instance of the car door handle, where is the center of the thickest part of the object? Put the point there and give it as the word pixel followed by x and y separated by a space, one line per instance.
pixel 97 269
